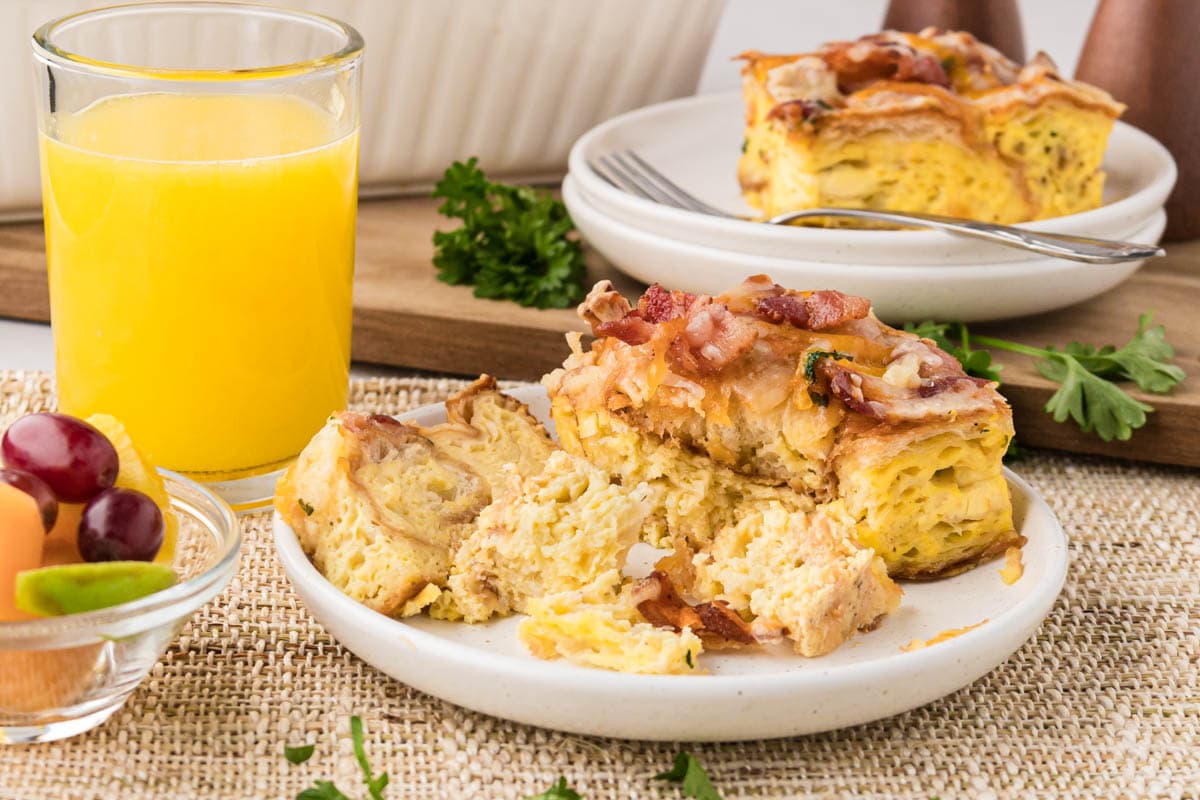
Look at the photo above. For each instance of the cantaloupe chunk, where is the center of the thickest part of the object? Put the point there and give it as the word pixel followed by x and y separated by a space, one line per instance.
pixel 21 540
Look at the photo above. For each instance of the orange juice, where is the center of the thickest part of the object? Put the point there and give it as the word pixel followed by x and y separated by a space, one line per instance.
pixel 201 251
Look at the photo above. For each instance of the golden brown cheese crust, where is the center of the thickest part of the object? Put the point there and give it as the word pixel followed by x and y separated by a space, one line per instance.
pixel 804 395
pixel 377 507
pixel 381 505
pixel 934 121
pixel 732 376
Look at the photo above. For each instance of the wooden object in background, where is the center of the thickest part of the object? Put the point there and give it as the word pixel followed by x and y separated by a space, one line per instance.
pixel 996 22
pixel 404 316
pixel 1146 54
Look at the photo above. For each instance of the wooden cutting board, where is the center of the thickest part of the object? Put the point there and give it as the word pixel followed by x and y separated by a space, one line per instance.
pixel 404 316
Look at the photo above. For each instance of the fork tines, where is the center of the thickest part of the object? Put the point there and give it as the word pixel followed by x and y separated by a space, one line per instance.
pixel 630 172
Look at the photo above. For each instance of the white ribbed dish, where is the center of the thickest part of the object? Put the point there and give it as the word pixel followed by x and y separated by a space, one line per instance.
pixel 514 82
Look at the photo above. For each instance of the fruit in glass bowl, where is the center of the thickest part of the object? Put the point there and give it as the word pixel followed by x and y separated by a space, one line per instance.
pixel 111 557
pixel 60 460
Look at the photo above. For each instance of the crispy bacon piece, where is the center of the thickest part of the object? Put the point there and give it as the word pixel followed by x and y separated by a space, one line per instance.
pixel 875 58
pixel 603 304
pixel 368 425
pixel 927 69
pixel 609 314
pixel 939 393
pixel 632 330
pixel 711 337
pixel 949 383
pixel 717 625
pixel 846 385
pixel 818 311
pixel 793 111
pixel 659 305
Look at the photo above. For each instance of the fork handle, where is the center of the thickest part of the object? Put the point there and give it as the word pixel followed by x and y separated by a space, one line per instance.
pixel 1074 248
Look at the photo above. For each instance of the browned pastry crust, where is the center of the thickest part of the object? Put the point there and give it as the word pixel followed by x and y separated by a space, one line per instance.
pixel 380 505
pixel 805 395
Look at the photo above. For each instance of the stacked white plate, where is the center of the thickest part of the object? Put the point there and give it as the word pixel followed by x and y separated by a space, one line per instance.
pixel 908 274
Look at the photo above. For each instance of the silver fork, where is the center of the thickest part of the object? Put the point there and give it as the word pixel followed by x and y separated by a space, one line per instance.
pixel 630 172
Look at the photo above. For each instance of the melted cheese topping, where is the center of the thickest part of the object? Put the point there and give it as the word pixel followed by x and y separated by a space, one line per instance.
pixel 1001 145
pixel 946 635
pixel 1013 569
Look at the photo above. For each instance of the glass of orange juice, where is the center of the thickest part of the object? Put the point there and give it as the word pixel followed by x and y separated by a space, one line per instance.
pixel 199 182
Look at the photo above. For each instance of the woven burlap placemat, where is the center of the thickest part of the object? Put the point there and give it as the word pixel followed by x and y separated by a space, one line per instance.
pixel 1103 702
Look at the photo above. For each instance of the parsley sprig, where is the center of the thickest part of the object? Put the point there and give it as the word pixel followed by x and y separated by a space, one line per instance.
pixel 326 790
pixel 559 791
pixel 687 772
pixel 1087 375
pixel 974 362
pixel 691 777
pixel 513 243
pixel 810 361
pixel 298 754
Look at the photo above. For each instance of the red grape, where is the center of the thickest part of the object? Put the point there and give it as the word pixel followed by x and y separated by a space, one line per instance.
pixel 120 525
pixel 73 458
pixel 36 488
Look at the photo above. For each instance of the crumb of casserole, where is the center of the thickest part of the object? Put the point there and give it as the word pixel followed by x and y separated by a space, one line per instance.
pixel 595 627
pixel 558 530
pixel 805 575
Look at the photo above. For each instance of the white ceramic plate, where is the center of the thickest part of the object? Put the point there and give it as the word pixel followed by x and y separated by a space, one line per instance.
pixel 696 142
pixel 748 695
pixel 967 292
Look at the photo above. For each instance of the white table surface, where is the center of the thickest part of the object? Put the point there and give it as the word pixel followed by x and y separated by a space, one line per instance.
pixel 25 345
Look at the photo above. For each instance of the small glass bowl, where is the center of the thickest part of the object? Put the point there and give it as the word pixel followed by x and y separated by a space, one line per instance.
pixel 61 676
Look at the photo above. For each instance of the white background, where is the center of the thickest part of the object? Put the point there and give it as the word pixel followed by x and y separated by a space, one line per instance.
pixel 1056 26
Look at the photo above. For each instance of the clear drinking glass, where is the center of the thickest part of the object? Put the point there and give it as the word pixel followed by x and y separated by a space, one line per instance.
pixel 199 180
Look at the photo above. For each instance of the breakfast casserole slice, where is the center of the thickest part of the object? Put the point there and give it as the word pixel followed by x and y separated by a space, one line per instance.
pixel 764 394
pixel 381 505
pixel 804 576
pixel 934 122
pixel 557 530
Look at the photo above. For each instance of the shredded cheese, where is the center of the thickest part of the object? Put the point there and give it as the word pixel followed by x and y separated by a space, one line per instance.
pixel 919 644
pixel 1013 569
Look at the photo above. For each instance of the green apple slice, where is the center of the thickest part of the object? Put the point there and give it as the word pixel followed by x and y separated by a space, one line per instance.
pixel 75 588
